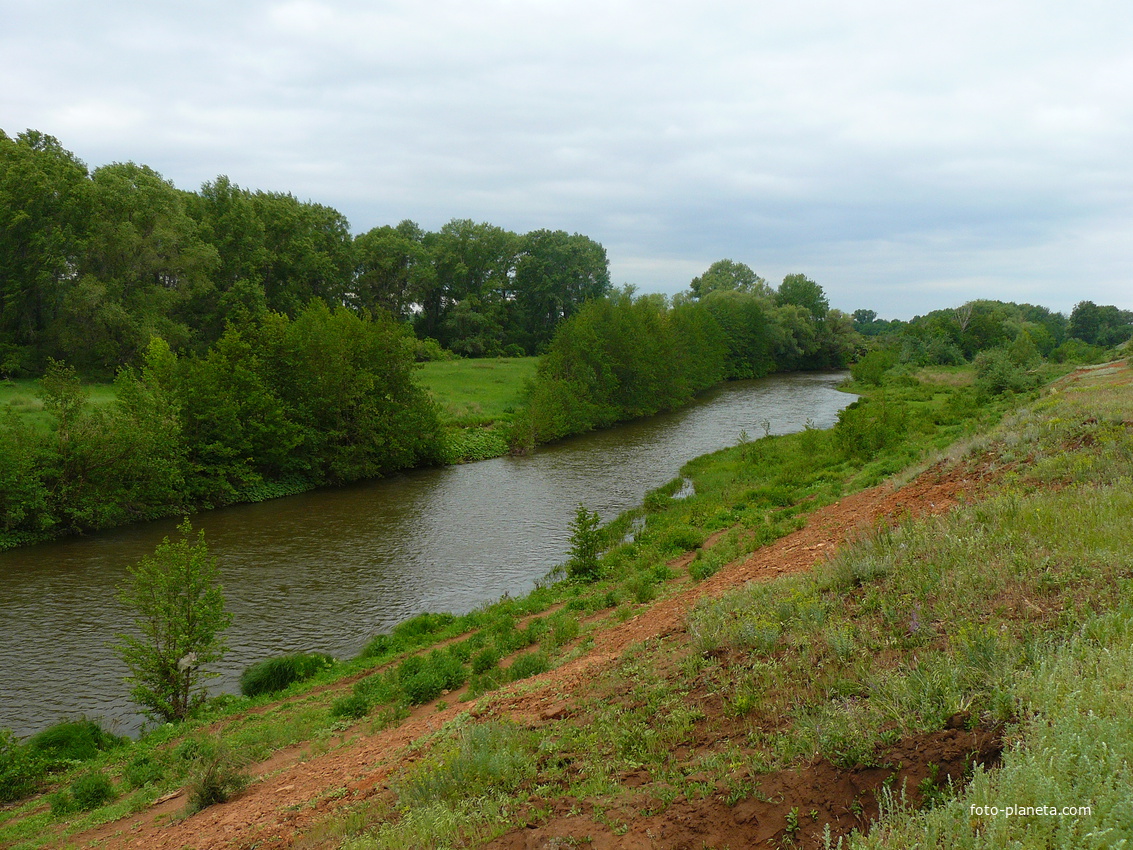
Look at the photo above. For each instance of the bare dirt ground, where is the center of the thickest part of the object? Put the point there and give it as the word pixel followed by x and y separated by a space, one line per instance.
pixel 298 788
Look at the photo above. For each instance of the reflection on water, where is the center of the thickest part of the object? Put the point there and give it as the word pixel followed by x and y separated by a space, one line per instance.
pixel 328 569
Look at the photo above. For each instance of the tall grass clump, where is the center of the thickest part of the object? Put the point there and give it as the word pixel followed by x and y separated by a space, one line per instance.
pixel 275 674
pixel 215 774
pixel 72 741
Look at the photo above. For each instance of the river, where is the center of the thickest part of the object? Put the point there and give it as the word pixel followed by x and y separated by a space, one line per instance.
pixel 328 569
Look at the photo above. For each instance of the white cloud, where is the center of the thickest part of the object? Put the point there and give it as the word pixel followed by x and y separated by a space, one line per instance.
pixel 908 151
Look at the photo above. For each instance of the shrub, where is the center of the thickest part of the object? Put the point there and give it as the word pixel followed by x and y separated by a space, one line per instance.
pixel 275 674
pixel 997 373
pixel 873 365
pixel 485 660
pixel 72 740
pixel 378 689
pixel 1076 351
pixel 681 538
pixel 704 565
pixel 586 541
pixel 428 349
pixel 143 770
pixel 92 790
pixel 21 770
pixel 865 428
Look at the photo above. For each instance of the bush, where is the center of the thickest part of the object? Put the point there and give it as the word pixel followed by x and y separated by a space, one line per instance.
pixel 873 365
pixel 92 790
pixel 143 770
pixel 704 565
pixel 997 373
pixel 485 660
pixel 866 427
pixel 1076 351
pixel 72 741
pixel 679 539
pixel 586 541
pixel 380 688
pixel 428 349
pixel 275 674
pixel 21 770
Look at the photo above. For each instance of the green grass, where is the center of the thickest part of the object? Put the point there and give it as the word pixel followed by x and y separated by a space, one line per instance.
pixel 22 396
pixel 477 391
pixel 869 647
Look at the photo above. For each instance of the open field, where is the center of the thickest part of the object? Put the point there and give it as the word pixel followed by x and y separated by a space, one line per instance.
pixel 921 611
pixel 478 392
pixel 22 396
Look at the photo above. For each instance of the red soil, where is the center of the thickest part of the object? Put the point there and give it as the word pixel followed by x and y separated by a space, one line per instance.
pixel 299 788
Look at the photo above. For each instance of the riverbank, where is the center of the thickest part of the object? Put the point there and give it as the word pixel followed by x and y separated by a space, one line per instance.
pixel 326 570
pixel 673 718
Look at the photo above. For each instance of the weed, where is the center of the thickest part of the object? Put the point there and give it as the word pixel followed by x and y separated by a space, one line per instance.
pixel 91 790
pixel 215 776
pixel 527 665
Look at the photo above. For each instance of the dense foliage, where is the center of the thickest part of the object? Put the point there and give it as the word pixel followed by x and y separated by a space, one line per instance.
pixel 93 264
pixel 275 406
pixel 953 336
pixel 626 356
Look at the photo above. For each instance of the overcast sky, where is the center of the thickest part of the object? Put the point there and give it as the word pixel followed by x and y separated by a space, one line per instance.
pixel 906 154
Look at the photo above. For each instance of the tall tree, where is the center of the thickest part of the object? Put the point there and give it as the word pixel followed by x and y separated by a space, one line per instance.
pixel 555 275
pixel 800 290
pixel 309 252
pixel 44 215
pixel 391 262
pixel 729 276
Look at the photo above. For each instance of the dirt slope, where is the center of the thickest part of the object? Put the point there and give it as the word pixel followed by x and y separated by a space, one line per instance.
pixel 297 789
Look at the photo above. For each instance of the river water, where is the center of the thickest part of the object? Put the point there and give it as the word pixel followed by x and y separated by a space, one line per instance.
pixel 326 570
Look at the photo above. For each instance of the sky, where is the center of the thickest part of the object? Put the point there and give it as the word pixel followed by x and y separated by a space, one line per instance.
pixel 909 155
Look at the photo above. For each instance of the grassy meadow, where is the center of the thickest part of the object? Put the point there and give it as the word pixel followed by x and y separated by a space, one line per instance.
pixel 477 392
pixel 22 396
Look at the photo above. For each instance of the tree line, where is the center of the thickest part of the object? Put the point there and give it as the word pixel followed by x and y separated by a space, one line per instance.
pixel 275 406
pixel 626 355
pixel 95 263
pixel 959 334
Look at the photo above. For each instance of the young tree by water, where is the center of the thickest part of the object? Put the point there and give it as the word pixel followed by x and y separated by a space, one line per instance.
pixel 585 545
pixel 178 607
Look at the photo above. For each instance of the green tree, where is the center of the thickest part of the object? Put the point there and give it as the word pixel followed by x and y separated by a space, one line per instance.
pixel 586 540
pixel 178 607
pixel 800 290
pixel 555 274
pixel 729 276
pixel 44 213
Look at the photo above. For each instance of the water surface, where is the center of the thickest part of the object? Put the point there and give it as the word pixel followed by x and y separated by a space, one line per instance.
pixel 328 569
